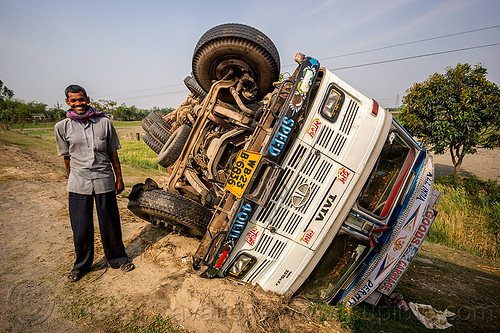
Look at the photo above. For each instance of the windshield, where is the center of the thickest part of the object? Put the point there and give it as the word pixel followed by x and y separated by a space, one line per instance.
pixel 389 173
pixel 341 258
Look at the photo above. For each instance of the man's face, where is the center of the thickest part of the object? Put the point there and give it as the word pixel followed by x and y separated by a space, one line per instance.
pixel 78 102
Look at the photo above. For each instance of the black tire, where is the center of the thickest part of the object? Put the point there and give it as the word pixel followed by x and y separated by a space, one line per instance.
pixel 236 46
pixel 156 118
pixel 158 205
pixel 159 132
pixel 146 124
pixel 173 147
pixel 152 142
pixel 194 87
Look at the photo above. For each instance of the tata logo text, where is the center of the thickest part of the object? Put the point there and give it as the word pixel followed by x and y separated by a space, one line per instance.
pixel 325 208
pixel 281 136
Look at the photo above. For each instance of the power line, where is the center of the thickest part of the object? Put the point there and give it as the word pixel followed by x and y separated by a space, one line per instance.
pixel 414 57
pixel 405 43
pixel 412 42
pixel 141 90
pixel 142 96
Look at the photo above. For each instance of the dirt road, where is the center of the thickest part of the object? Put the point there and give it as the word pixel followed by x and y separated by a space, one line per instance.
pixel 37 253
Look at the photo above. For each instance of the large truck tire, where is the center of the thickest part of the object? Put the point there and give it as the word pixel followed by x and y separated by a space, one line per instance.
pixel 157 205
pixel 239 47
pixel 159 132
pixel 156 118
pixel 146 124
pixel 154 143
pixel 194 87
pixel 173 147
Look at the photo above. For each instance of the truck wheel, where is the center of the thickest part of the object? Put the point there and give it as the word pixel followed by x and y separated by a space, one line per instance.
pixel 158 205
pixel 146 124
pixel 156 118
pixel 239 47
pixel 173 147
pixel 152 142
pixel 159 132
pixel 194 87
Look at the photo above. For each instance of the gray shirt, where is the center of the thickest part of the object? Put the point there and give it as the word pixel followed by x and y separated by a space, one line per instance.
pixel 88 146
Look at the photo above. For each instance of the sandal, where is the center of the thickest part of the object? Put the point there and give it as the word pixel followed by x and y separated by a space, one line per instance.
pixel 74 276
pixel 127 267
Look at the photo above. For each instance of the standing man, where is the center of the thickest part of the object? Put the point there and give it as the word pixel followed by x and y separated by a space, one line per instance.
pixel 88 142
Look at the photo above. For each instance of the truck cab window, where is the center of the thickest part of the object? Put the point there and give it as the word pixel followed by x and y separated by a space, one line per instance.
pixel 381 189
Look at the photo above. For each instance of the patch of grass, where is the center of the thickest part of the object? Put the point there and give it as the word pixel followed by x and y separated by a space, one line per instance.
pixel 139 154
pixel 25 140
pixel 32 125
pixel 469 216
pixel 325 312
pixel 121 124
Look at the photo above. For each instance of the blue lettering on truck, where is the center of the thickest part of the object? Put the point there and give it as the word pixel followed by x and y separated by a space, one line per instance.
pixel 281 136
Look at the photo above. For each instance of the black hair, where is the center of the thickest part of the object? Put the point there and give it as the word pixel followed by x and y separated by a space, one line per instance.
pixel 74 89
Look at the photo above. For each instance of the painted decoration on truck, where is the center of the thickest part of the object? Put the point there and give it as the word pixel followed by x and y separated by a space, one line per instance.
pixel 295 107
pixel 313 129
pixel 308 235
pixel 343 175
pixel 393 278
pixel 393 251
pixel 252 235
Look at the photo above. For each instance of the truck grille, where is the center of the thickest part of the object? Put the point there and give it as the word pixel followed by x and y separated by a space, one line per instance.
pixel 304 165
pixel 313 171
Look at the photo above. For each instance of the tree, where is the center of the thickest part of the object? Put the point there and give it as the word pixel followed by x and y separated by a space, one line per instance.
pixel 5 93
pixel 106 106
pixel 458 111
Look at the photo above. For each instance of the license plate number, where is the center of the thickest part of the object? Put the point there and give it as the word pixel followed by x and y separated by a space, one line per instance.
pixel 243 169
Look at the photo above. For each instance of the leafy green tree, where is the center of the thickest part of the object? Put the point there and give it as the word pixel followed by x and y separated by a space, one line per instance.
pixel 106 106
pixel 5 93
pixel 124 112
pixel 457 111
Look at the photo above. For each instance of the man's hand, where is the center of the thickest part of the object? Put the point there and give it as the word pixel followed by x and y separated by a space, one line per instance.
pixel 119 186
pixel 115 162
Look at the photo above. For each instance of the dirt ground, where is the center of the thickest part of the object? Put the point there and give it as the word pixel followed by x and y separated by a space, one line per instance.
pixel 485 164
pixel 36 253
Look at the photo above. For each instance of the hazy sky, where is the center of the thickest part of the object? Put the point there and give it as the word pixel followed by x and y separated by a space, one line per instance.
pixel 138 52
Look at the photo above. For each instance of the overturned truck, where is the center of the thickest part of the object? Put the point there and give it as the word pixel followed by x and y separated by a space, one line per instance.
pixel 297 183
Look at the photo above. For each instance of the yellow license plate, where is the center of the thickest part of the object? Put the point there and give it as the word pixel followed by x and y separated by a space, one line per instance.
pixel 243 169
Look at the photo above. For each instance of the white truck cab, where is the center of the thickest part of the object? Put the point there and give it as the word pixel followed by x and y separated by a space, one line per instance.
pixel 350 205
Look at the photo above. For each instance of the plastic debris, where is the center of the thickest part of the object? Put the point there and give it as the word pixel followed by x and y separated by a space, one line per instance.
pixel 430 317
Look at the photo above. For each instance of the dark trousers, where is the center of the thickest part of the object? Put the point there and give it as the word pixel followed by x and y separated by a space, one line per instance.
pixel 81 208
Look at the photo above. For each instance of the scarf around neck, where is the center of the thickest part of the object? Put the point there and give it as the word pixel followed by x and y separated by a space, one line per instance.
pixel 91 112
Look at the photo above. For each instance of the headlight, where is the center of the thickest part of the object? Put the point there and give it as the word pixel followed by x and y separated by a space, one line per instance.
pixel 332 103
pixel 241 265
